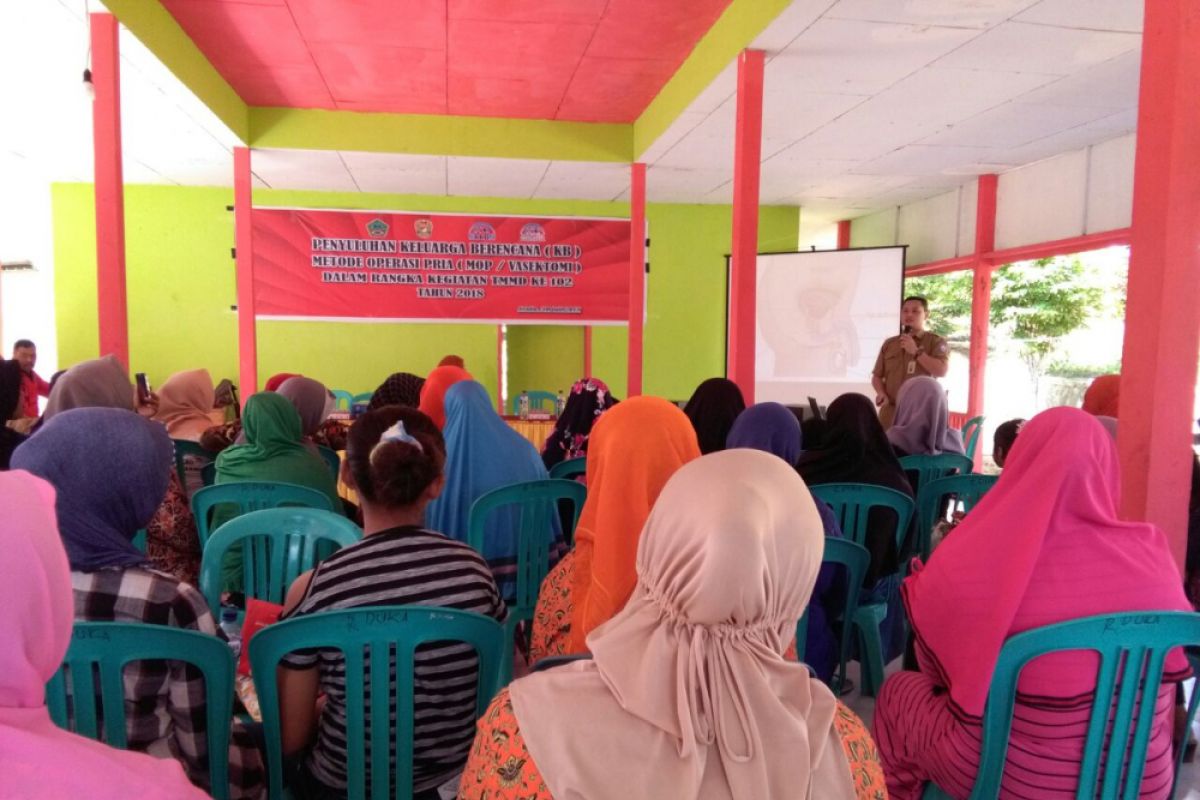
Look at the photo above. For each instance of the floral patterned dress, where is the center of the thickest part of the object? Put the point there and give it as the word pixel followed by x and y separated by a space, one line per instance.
pixel 500 767
pixel 172 544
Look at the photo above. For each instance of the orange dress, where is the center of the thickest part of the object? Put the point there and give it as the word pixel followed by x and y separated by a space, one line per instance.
pixel 500 767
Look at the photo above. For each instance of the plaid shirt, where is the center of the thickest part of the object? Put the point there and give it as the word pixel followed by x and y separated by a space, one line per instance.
pixel 166 715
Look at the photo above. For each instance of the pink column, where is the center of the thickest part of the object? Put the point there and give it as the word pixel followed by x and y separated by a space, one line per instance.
pixel 587 351
pixel 637 275
pixel 112 311
pixel 981 296
pixel 843 242
pixel 1162 330
pixel 500 369
pixel 747 157
pixel 244 241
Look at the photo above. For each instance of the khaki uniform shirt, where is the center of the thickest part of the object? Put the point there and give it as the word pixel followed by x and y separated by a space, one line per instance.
pixel 893 363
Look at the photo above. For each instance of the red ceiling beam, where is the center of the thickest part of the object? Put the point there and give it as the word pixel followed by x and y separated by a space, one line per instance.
pixel 244 260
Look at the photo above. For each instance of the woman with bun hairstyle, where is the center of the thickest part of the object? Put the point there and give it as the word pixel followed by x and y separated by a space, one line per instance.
pixel 394 460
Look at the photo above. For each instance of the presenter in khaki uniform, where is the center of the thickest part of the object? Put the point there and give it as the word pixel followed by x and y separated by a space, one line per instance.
pixel 915 351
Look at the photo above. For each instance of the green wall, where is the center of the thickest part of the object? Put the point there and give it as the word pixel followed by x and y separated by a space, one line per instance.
pixel 180 285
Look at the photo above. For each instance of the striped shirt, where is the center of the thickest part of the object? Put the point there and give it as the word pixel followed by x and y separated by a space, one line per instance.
pixel 403 566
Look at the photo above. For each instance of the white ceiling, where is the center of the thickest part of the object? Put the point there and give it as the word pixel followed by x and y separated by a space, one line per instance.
pixel 868 103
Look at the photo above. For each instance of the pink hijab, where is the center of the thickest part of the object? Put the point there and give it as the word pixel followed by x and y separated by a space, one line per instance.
pixel 1043 546
pixel 689 692
pixel 38 759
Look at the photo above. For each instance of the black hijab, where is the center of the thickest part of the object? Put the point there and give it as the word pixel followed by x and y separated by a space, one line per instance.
pixel 400 389
pixel 10 398
pixel 714 406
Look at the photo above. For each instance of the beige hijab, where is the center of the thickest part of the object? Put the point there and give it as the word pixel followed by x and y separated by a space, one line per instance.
pixel 689 695
pixel 185 403
pixel 99 383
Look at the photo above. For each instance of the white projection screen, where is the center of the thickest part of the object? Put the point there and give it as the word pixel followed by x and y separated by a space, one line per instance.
pixel 821 318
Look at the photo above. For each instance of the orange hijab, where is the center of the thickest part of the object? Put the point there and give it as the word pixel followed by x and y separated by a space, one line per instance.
pixel 433 392
pixel 635 447
pixel 1102 398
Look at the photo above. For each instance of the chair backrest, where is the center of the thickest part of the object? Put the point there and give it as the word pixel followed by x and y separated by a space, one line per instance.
pixel 278 544
pixel 364 397
pixel 570 469
pixel 208 473
pixel 538 400
pixel 246 496
pixel 1132 648
pixel 855 559
pixel 331 459
pixel 342 400
pixel 538 503
pixel 966 490
pixel 852 504
pixel 139 540
pixel 102 649
pixel 186 447
pixel 970 434
pixel 930 468
pixel 383 631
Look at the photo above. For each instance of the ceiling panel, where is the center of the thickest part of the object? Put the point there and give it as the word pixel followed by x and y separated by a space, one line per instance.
pixel 1113 85
pixel 855 57
pixel 416 78
pixel 922 159
pixel 1106 15
pixel 1014 124
pixel 1018 47
pixel 397 174
pixel 300 170
pixel 574 180
pixel 959 13
pixel 494 177
pixel 1093 132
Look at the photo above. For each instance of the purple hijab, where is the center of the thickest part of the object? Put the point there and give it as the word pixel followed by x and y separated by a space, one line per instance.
pixel 922 424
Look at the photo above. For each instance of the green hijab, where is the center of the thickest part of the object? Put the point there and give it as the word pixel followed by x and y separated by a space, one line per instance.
pixel 274 450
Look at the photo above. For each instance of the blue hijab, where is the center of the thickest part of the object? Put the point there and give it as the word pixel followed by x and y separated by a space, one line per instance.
pixel 483 453
pixel 110 469
pixel 770 427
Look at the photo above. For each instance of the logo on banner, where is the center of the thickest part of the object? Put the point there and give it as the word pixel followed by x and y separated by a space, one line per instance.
pixel 424 228
pixel 377 228
pixel 533 232
pixel 481 232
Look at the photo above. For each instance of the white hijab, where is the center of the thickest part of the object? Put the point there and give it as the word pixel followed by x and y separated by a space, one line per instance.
pixel 689 695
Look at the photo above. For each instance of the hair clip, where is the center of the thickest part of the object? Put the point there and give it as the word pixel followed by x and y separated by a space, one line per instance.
pixel 397 433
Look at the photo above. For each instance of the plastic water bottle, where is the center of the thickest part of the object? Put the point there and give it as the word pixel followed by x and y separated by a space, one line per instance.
pixel 560 405
pixel 231 629
pixel 523 405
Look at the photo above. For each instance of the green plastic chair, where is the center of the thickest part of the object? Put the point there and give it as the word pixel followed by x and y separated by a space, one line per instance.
pixel 852 504
pixel 1193 656
pixel 342 400
pixel 208 474
pixel 930 468
pixel 537 401
pixel 538 502
pixel 364 397
pixel 331 458
pixel 278 544
pixel 570 469
pixel 1132 648
pixel 139 540
pixel 186 447
pixel 855 559
pixel 104 648
pixel 247 496
pixel 931 502
pixel 380 629
pixel 970 434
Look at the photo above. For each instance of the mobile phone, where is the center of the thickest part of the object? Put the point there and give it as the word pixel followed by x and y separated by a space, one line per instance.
pixel 143 388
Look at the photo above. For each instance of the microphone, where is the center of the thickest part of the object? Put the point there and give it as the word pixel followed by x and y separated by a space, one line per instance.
pixel 905 329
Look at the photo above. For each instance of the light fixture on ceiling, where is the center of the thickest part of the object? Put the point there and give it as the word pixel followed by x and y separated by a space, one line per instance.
pixel 89 88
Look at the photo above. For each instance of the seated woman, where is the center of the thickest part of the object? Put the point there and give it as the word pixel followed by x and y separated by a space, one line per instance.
pixel 394 461
pixel 172 543
pixel 589 398
pixel 1044 546
pixel 770 427
pixel 313 403
pixel 399 389
pixel 10 400
pixel 185 408
pixel 113 582
pixel 689 694
pixel 712 409
pixel 1103 396
pixel 433 391
pixel 35 624
pixel 922 424
pixel 482 454
pixel 635 448
pixel 1004 439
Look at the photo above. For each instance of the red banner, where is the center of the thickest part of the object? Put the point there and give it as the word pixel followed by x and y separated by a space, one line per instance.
pixel 385 266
